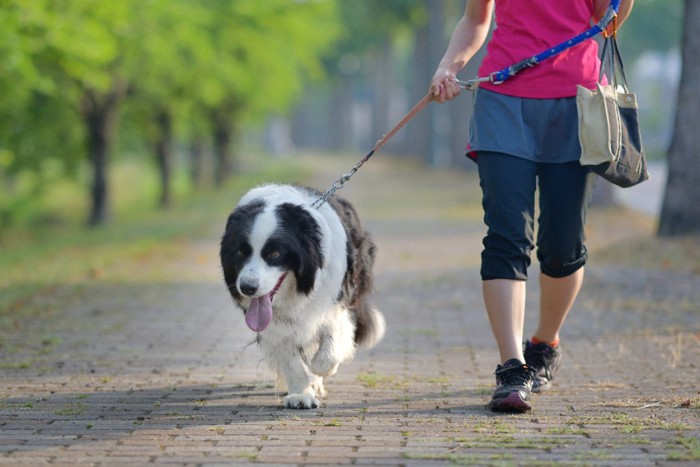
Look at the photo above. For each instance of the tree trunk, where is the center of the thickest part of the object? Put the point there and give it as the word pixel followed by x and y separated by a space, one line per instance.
pixel 100 116
pixel 680 211
pixel 223 137
pixel 197 162
pixel 163 150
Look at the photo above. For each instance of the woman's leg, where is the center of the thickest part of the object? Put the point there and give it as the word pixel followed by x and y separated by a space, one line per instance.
pixel 508 186
pixel 505 306
pixel 557 295
pixel 565 194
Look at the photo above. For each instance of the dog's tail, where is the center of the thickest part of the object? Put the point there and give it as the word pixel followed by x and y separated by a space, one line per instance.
pixel 370 327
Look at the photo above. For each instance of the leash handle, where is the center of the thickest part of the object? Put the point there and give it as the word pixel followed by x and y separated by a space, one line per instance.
pixel 340 183
pixel 411 113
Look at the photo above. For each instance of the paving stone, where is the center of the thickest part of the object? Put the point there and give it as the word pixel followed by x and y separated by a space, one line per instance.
pixel 163 373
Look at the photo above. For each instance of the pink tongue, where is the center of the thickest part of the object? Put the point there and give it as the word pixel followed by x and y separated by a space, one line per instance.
pixel 259 313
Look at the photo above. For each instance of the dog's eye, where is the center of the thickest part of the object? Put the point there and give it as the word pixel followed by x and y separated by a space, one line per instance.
pixel 240 253
pixel 274 254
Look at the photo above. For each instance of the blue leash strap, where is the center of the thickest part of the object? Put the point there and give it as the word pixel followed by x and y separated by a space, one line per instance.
pixel 500 76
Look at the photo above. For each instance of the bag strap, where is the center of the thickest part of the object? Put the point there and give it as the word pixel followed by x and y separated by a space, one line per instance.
pixel 618 62
pixel 611 60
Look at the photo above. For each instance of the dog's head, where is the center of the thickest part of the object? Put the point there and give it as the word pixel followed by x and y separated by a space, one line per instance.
pixel 261 245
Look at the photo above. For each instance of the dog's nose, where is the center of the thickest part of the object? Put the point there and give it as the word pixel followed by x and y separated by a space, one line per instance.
pixel 248 288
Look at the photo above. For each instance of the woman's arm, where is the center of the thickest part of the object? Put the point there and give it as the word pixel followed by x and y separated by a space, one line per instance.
pixel 469 35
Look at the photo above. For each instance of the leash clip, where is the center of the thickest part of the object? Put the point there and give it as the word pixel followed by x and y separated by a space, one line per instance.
pixel 473 84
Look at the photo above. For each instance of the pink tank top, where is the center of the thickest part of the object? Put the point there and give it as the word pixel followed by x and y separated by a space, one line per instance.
pixel 527 27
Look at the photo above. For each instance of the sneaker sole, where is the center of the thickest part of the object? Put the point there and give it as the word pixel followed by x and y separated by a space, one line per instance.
pixel 511 403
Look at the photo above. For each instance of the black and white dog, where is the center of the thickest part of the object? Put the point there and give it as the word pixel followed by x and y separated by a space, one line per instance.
pixel 303 277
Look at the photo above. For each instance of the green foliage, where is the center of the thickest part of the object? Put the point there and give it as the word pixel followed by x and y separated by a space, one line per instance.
pixel 59 49
pixel 262 50
pixel 34 149
pixel 192 60
pixel 368 26
pixel 16 70
pixel 177 57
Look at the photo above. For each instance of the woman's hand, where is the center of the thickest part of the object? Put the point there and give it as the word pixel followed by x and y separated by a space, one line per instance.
pixel 468 36
pixel 444 85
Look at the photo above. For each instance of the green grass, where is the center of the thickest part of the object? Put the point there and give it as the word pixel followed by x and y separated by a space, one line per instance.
pixel 630 424
pixel 43 256
pixel 685 448
pixel 72 408
pixel 373 380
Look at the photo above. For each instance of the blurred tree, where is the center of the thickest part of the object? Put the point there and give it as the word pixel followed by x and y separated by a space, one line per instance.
pixel 363 73
pixel 86 49
pixel 440 133
pixel 180 69
pixel 262 53
pixel 36 143
pixel 380 69
pixel 680 211
pixel 168 63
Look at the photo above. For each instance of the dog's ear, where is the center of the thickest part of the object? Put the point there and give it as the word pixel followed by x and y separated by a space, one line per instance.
pixel 238 227
pixel 305 233
pixel 227 254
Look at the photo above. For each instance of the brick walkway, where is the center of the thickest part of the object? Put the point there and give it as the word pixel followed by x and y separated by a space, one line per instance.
pixel 162 372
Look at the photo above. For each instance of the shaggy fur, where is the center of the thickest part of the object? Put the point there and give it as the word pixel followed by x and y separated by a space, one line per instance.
pixel 303 277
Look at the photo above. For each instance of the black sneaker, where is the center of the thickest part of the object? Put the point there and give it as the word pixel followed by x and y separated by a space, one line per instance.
pixel 544 360
pixel 513 387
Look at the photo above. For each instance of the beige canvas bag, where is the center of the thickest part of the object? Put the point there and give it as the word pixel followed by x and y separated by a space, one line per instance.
pixel 608 126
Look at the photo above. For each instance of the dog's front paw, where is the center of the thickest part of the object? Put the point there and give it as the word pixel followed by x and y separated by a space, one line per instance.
pixel 324 365
pixel 317 386
pixel 301 401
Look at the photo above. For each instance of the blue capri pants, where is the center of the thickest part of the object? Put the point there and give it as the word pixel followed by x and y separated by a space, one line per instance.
pixel 509 185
